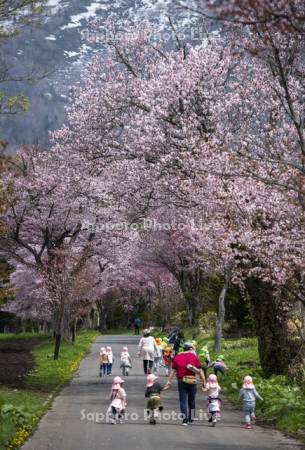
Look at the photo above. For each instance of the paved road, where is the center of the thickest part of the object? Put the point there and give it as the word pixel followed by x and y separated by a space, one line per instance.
pixel 87 395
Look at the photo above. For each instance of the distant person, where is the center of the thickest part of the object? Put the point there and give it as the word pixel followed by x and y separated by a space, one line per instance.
pixel 147 350
pixel 186 367
pixel 249 394
pixel 175 339
pixel 137 325
pixel 153 393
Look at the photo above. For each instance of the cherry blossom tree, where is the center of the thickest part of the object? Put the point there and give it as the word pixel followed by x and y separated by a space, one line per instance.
pixel 43 232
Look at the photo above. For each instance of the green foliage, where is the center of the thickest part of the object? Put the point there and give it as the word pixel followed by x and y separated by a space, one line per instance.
pixel 51 375
pixel 13 104
pixel 18 410
pixel 282 398
pixel 6 292
pixel 16 414
pixel 21 409
pixel 23 336
pixel 284 401
pixel 207 321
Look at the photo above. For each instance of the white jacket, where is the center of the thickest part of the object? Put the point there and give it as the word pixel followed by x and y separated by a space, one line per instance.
pixel 110 357
pixel 147 348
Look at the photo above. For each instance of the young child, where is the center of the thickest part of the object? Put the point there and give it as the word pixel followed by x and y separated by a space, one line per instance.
pixel 219 365
pixel 249 394
pixel 167 358
pixel 204 357
pixel 194 343
pixel 125 361
pixel 153 391
pixel 164 342
pixel 103 362
pixel 118 401
pixel 158 355
pixel 110 360
pixel 214 402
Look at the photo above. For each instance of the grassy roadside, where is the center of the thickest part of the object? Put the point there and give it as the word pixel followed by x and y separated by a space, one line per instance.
pixel 22 408
pixel 284 402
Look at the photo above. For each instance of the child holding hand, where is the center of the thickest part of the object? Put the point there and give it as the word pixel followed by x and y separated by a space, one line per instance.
pixel 214 402
pixel 154 403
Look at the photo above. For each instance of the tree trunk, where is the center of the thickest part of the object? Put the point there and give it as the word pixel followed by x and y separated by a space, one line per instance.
pixel 73 332
pixel 221 314
pixel 57 345
pixel 192 304
pixel 270 326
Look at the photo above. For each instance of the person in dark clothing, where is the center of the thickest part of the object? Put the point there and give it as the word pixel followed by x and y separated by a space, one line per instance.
pixel 137 325
pixel 175 339
pixel 153 391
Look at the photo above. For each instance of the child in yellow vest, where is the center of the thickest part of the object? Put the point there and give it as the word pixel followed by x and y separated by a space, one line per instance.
pixel 103 362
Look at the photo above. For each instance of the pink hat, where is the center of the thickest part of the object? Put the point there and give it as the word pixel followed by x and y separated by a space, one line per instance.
pixel 248 383
pixel 151 378
pixel 116 382
pixel 102 349
pixel 212 381
pixel 125 349
pixel 108 349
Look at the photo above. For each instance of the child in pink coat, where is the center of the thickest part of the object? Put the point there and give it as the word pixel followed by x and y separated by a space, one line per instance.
pixel 118 401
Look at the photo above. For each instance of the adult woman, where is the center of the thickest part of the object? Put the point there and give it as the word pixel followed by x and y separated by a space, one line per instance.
pixel 186 366
pixel 147 350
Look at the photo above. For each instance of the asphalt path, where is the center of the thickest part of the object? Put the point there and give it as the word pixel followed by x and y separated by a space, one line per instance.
pixel 76 419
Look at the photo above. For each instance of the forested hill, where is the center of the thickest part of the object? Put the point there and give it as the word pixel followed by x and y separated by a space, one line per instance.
pixel 57 46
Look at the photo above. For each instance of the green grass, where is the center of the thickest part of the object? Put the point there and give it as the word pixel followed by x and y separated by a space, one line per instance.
pixel 50 375
pixel 22 336
pixel 21 409
pixel 284 401
pixel 31 402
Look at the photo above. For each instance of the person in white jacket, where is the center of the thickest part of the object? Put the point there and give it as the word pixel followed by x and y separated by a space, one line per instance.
pixel 147 350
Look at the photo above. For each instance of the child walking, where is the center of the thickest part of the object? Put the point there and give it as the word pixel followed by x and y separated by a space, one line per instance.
pixel 205 359
pixel 214 401
pixel 249 394
pixel 158 355
pixel 153 391
pixel 118 401
pixel 125 361
pixel 110 360
pixel 103 362
pixel 167 358
pixel 219 365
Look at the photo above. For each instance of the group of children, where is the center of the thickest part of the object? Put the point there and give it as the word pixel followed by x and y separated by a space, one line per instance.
pixel 106 361
pixel 118 398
